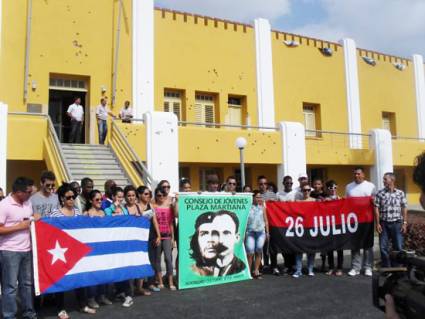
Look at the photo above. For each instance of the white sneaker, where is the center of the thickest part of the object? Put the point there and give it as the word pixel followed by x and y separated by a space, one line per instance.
pixel 368 272
pixel 353 273
pixel 311 273
pixel 92 303
pixel 128 302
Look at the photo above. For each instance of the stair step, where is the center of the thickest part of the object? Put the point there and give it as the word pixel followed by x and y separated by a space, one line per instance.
pixel 88 151
pixel 95 171
pixel 105 177
pixel 89 156
pixel 99 183
pixel 91 161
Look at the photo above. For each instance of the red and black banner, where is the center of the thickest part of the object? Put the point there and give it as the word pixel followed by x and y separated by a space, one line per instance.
pixel 309 227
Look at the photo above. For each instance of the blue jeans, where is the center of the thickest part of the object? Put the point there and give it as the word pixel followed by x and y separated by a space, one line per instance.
pixel 103 130
pixel 390 231
pixel 299 262
pixel 254 242
pixel 17 277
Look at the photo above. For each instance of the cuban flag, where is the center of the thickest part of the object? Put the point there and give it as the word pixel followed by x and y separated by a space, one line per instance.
pixel 73 252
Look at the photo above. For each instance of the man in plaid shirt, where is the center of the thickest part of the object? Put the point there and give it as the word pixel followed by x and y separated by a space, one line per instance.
pixel 390 217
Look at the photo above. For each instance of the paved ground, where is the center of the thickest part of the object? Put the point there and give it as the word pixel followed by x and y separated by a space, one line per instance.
pixel 272 297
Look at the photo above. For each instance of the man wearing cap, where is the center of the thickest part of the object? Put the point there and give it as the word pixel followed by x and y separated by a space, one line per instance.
pixel 302 180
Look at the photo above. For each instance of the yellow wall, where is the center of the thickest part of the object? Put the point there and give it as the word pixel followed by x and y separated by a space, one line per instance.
pixel 192 56
pixel 383 88
pixel 30 169
pixel 25 137
pixel 304 74
pixel 67 37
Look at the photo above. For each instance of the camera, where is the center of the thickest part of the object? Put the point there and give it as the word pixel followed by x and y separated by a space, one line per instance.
pixel 405 283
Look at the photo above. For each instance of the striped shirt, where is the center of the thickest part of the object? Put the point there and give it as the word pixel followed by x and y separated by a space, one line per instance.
pixel 59 213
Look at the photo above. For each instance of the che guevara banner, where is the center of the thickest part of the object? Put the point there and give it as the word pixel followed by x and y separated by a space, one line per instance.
pixel 310 227
pixel 211 238
pixel 73 252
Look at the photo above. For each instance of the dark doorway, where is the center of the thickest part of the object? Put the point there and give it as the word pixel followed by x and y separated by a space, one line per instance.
pixel 59 101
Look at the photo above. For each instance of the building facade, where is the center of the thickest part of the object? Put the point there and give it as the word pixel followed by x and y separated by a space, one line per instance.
pixel 221 79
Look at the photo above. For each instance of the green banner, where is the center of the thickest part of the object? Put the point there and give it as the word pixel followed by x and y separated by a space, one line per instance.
pixel 211 238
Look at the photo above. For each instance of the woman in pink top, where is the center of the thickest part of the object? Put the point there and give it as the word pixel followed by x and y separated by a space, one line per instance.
pixel 165 216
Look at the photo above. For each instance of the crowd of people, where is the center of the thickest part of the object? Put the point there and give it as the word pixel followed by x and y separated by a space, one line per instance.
pixel 25 202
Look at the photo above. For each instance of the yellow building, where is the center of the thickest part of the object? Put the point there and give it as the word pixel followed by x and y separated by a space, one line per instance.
pixel 303 104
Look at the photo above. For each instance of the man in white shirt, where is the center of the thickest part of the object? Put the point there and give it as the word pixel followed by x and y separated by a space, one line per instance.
pixel 360 188
pixel 288 194
pixel 76 113
pixel 102 113
pixel 126 113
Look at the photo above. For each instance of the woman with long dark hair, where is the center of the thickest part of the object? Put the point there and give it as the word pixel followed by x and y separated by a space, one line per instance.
pixel 67 198
pixel 165 217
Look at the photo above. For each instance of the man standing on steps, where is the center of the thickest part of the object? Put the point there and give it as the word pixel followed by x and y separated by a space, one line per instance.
pixel 360 188
pixel 76 113
pixel 102 113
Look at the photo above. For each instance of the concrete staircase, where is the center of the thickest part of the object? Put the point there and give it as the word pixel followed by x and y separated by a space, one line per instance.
pixel 97 162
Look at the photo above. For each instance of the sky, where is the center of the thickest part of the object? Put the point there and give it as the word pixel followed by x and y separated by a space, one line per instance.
pixel 394 27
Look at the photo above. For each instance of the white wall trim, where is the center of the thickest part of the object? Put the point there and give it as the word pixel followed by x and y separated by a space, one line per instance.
pixel 418 65
pixel 162 147
pixel 352 92
pixel 143 57
pixel 264 67
pixel 294 160
pixel 3 145
pixel 381 143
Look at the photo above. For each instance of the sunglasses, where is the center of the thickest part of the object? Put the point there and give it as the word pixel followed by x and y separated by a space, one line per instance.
pixel 166 186
pixel 146 194
pixel 288 183
pixel 231 183
pixel 306 190
pixel 73 197
pixel 97 199
pixel 262 184
pixel 49 185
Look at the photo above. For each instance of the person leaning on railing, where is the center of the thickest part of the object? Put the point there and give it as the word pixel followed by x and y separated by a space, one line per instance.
pixel 126 113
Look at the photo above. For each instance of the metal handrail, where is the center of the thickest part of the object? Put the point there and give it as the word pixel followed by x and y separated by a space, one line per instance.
pixel 56 142
pixel 338 133
pixel 408 138
pixel 227 125
pixel 58 148
pixel 147 177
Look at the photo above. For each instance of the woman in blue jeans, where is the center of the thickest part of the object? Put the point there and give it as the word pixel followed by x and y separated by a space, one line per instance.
pixel 306 191
pixel 256 231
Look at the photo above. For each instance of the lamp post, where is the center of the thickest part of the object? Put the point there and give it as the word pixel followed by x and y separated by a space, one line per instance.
pixel 240 144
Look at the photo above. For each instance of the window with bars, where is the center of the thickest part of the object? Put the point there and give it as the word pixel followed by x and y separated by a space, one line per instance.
pixel 173 103
pixel 67 84
pixel 311 119
pixel 388 122
pixel 205 108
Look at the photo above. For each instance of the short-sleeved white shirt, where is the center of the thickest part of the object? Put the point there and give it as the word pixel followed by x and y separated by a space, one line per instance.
pixel 286 196
pixel 77 112
pixel 126 113
pixel 102 112
pixel 365 188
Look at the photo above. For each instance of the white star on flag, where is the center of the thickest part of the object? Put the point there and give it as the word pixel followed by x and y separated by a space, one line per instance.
pixel 58 253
